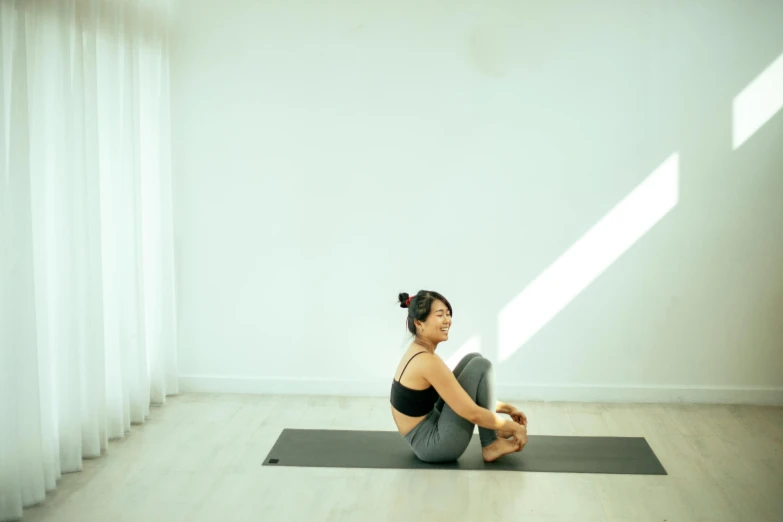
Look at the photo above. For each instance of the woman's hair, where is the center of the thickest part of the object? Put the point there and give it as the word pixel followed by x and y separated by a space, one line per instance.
pixel 420 305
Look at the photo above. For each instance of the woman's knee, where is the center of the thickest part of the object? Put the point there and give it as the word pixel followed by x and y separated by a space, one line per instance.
pixel 479 363
pixel 469 357
pixel 477 380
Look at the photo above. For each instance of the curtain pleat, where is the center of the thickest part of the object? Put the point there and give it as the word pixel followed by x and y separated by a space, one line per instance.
pixel 87 311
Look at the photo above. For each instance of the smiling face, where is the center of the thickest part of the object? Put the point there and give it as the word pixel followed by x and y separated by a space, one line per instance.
pixel 435 328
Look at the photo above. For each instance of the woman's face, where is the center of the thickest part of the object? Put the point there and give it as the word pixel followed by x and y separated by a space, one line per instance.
pixel 436 327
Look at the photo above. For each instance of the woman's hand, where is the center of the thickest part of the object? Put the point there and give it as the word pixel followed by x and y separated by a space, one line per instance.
pixel 518 417
pixel 520 436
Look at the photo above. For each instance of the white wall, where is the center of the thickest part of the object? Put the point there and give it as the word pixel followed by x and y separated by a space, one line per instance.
pixel 326 158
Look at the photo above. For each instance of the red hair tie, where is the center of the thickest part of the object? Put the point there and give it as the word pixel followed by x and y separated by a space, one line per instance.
pixel 408 302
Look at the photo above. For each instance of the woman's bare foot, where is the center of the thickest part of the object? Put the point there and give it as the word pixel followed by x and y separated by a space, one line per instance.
pixel 505 434
pixel 499 448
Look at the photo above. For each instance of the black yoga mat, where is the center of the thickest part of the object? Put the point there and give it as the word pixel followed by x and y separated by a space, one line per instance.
pixel 387 449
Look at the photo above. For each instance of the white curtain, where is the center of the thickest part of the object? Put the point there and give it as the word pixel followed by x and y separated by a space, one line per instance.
pixel 87 303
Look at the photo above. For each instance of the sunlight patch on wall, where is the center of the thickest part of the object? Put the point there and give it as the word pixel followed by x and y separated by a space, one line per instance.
pixel 757 103
pixel 590 256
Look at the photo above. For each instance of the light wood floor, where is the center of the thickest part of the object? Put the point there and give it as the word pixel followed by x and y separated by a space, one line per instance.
pixel 198 459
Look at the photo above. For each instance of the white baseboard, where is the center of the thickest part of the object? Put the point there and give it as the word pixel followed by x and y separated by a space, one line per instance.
pixel 644 394
pixel 547 393
pixel 275 386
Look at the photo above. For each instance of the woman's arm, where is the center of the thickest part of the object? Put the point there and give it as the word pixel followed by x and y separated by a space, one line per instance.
pixel 502 407
pixel 447 386
pixel 516 415
pixel 488 419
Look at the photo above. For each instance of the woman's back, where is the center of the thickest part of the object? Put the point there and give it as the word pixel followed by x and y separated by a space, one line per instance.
pixel 412 397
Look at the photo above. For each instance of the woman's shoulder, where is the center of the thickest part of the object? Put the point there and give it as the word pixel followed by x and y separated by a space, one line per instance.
pixel 415 357
pixel 419 356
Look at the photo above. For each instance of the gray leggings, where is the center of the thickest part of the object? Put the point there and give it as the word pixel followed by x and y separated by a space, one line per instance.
pixel 443 436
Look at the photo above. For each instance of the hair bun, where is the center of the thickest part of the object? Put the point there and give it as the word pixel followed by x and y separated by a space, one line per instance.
pixel 404 302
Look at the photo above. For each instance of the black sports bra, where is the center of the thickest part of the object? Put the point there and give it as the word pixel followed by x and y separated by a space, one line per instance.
pixel 414 403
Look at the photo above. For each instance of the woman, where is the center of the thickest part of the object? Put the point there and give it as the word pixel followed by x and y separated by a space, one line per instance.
pixel 436 409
